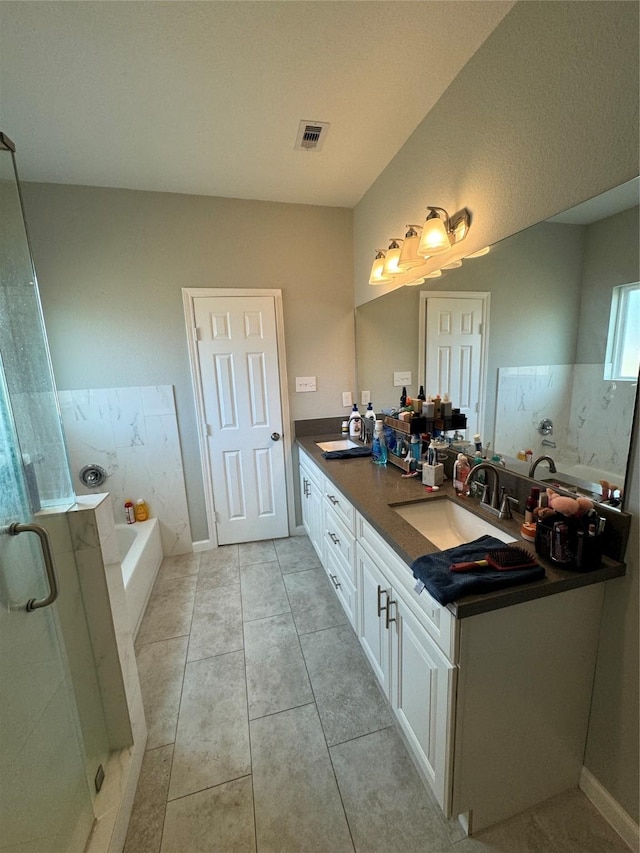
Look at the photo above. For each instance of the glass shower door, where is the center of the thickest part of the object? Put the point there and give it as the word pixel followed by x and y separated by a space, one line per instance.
pixel 45 803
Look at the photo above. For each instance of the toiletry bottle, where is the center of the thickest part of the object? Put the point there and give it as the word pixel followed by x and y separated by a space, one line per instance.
pixel 379 447
pixel 345 428
pixel 355 424
pixel 403 398
pixel 142 513
pixel 421 394
pixel 416 450
pixel 461 470
pixel 477 442
pixel 370 413
pixel 129 512
pixel 529 507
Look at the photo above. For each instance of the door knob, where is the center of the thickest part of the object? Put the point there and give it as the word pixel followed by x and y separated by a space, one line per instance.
pixel 275 436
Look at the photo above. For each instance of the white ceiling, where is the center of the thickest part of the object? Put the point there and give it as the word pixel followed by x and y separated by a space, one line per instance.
pixel 206 97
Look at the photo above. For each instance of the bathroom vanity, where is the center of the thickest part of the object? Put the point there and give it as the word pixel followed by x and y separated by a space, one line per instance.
pixel 492 692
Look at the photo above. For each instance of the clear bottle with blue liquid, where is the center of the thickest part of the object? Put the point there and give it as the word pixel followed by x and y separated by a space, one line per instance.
pixel 379 446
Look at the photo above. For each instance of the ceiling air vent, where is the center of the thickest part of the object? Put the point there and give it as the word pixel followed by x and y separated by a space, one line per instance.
pixel 311 135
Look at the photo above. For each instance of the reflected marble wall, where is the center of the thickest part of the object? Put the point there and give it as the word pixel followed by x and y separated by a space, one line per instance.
pixel 587 412
pixel 133 434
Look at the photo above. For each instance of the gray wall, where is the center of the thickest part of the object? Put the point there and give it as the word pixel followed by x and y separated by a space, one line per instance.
pixel 111 265
pixel 610 259
pixel 544 116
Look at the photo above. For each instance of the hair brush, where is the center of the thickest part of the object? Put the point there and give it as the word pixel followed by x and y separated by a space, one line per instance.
pixel 502 559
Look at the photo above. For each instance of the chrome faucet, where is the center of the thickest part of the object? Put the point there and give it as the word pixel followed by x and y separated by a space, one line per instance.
pixel 498 502
pixel 534 465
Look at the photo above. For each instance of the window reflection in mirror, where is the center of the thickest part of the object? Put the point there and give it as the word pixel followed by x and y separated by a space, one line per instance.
pixel 551 289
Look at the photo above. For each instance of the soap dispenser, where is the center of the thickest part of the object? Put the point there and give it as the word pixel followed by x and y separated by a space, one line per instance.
pixel 355 424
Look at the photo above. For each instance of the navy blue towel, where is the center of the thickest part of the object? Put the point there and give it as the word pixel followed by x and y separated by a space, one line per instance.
pixel 446 586
pixel 349 453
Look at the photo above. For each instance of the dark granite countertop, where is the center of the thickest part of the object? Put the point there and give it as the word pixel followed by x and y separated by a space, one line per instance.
pixel 374 489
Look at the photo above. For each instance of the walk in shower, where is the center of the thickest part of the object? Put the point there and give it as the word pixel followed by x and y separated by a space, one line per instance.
pixel 52 728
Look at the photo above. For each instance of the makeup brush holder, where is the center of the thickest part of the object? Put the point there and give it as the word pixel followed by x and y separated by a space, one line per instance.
pixel 433 475
pixel 562 541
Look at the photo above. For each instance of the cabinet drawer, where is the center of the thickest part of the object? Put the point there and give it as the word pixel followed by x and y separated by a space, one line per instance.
pixel 340 505
pixel 339 542
pixel 436 619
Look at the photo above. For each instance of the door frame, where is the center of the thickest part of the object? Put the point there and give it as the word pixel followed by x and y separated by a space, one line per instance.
pixel 189 294
pixel 485 298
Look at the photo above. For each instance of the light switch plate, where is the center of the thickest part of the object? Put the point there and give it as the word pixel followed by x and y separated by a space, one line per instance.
pixel 347 399
pixel 305 383
pixel 402 378
pixel 365 398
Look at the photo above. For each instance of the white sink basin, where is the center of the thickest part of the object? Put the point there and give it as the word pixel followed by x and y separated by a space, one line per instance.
pixel 338 444
pixel 448 524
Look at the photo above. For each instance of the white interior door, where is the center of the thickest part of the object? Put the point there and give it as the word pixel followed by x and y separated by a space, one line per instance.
pixel 454 353
pixel 238 360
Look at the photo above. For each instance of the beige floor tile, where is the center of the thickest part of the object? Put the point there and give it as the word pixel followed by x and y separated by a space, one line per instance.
pixel 147 818
pixel 296 554
pixel 169 610
pixel 256 552
pixel 216 627
pixel 297 804
pixel 313 602
pixel 263 591
pixel 387 804
pixel 212 740
pixel 576 825
pixel 161 670
pixel 276 673
pixel 219 567
pixel 349 700
pixel 218 820
pixel 180 566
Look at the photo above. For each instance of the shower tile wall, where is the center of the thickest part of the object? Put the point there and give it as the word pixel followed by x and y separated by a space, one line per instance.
pixel 587 412
pixel 133 434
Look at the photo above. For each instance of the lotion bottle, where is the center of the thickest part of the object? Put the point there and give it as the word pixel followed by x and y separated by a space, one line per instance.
pixel 142 513
pixel 129 512
pixel 355 424
pixel 461 470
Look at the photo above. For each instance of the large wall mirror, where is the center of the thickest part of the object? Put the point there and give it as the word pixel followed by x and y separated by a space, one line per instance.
pixel 554 382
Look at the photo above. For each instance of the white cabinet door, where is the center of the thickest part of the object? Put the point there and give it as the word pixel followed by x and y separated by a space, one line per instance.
pixel 373 594
pixel 311 500
pixel 422 688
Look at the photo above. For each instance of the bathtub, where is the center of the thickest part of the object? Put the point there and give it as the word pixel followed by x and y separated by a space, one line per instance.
pixel 140 549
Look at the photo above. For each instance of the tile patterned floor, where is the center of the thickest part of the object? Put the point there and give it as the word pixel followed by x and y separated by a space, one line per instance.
pixel 268 733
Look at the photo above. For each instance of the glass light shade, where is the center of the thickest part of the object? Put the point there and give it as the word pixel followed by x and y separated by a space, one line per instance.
pixel 434 239
pixel 409 256
pixel 391 260
pixel 480 252
pixel 434 274
pixel 453 265
pixel 377 276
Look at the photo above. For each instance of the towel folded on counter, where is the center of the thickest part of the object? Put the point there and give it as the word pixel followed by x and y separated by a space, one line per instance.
pixel 349 453
pixel 446 586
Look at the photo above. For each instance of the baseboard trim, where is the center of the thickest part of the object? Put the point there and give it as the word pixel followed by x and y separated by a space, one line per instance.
pixel 610 809
pixel 202 545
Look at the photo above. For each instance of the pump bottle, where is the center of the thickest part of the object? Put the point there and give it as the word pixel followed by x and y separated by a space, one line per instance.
pixel 379 447
pixel 355 424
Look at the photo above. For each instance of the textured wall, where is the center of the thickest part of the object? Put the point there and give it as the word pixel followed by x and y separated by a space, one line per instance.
pixel 111 265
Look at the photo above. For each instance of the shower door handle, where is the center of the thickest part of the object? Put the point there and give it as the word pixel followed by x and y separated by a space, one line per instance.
pixel 49 563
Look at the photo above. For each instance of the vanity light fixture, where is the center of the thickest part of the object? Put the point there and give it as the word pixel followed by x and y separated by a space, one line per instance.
pixel 434 274
pixel 452 265
pixel 377 276
pixel 440 231
pixel 392 257
pixel 409 256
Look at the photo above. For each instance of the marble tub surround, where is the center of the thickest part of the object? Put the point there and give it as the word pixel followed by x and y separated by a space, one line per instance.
pixel 317 778
pixel 373 490
pixel 591 416
pixel 133 434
